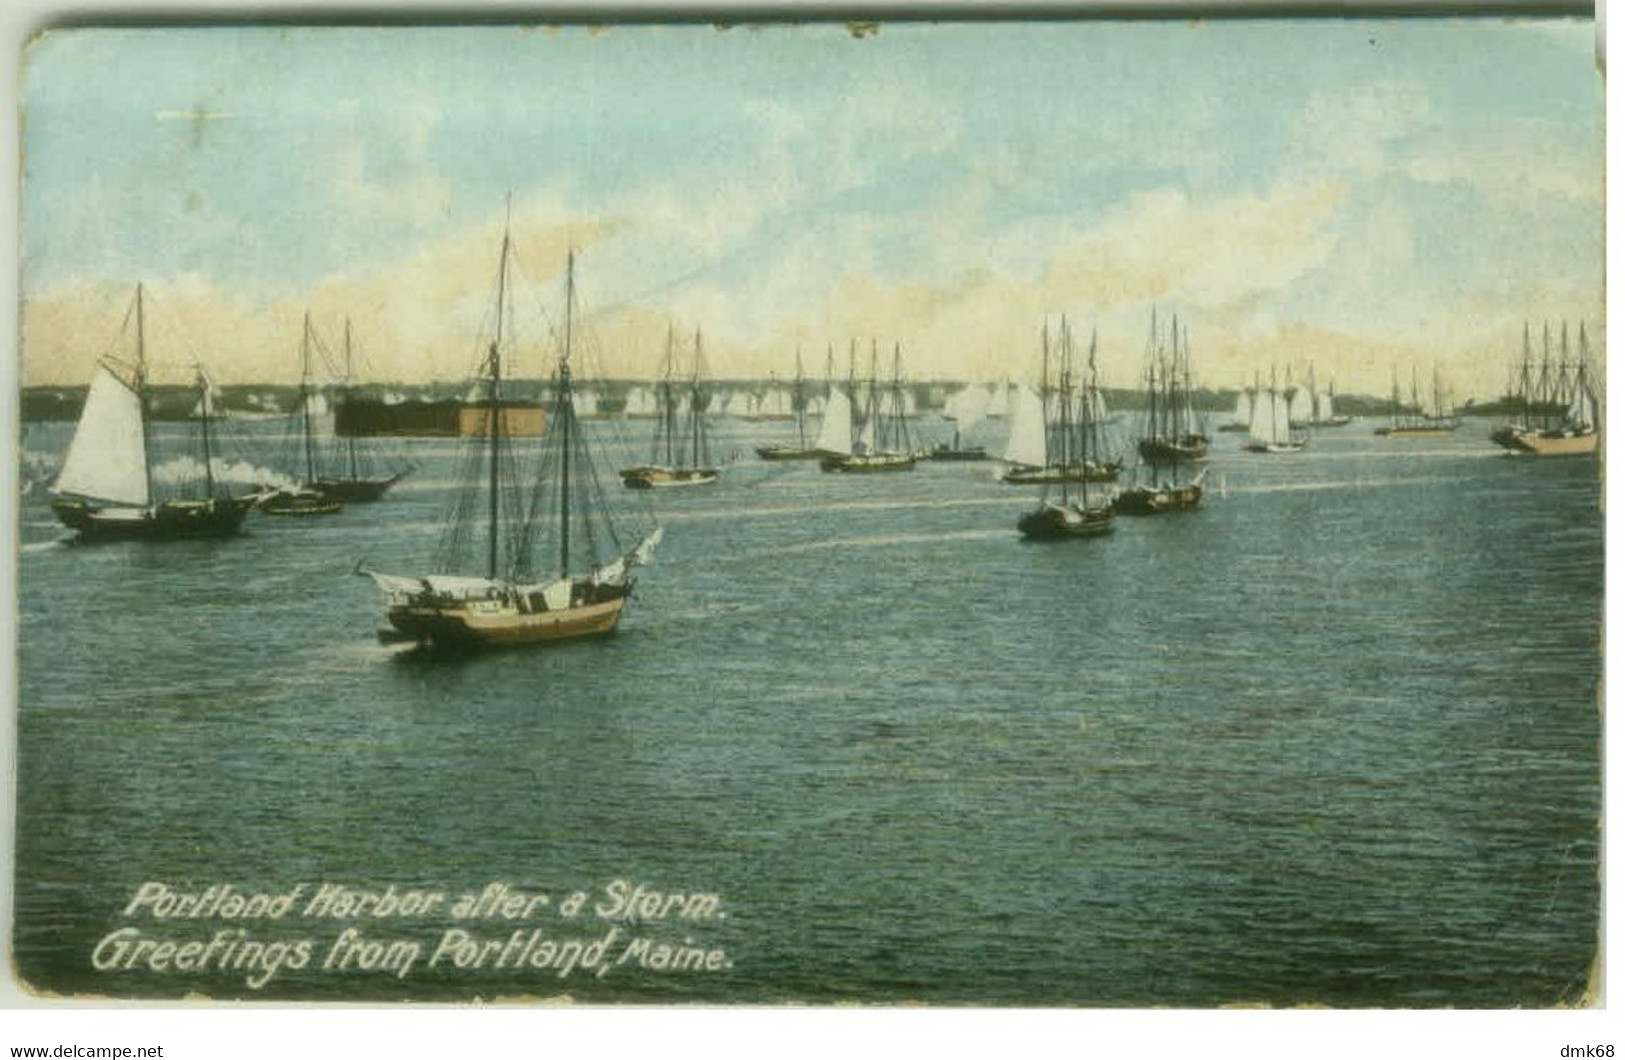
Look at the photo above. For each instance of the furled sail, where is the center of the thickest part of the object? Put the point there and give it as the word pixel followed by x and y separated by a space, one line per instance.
pixel 1026 444
pixel 107 459
pixel 835 436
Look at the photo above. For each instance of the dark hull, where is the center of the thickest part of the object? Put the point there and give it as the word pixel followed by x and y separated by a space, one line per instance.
pixel 1143 500
pixel 789 452
pixel 355 490
pixel 1232 428
pixel 1190 447
pixel 943 452
pixel 867 465
pixel 171 521
pixel 1056 474
pixel 1057 523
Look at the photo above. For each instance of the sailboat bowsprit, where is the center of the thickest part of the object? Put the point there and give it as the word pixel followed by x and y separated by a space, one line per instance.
pixel 105 490
pixel 555 565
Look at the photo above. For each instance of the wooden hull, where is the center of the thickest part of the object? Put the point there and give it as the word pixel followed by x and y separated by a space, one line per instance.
pixel 868 465
pixel 486 624
pixel 654 478
pixel 1232 428
pixel 1144 500
pixel 1056 474
pixel 1415 432
pixel 1554 444
pixel 943 452
pixel 355 490
pixel 1272 447
pixel 170 521
pixel 1161 450
pixel 1054 522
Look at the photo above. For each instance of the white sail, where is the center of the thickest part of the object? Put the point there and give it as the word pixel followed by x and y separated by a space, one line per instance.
pixel 640 402
pixel 835 436
pixel 1097 405
pixel 866 436
pixel 1244 408
pixel 998 403
pixel 967 407
pixel 1271 421
pixel 1324 410
pixel 1302 404
pixel 107 459
pixel 585 402
pixel 776 403
pixel 1026 444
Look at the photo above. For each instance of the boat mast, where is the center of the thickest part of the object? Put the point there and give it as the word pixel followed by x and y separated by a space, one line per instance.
pixel 694 404
pixel 141 385
pixel 304 401
pixel 567 410
pixel 798 399
pixel 901 426
pixel 348 395
pixel 208 456
pixel 1063 393
pixel 493 407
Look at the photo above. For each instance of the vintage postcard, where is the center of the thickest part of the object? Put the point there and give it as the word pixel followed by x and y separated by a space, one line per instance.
pixel 1058 513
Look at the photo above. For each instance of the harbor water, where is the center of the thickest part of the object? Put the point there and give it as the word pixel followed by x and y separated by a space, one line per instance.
pixel 1333 738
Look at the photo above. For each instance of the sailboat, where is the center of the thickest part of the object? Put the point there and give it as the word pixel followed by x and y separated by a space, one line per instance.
pixel 1170 427
pixel 304 498
pixel 1158 485
pixel 1075 442
pixel 799 450
pixel 1559 413
pixel 883 441
pixel 681 453
pixel 965 408
pixel 554 566
pixel 1324 404
pixel 1035 458
pixel 1271 428
pixel 105 490
pixel 353 481
pixel 1410 421
pixel 1241 419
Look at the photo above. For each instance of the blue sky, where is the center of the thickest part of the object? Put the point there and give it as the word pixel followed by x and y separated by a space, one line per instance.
pixel 1348 193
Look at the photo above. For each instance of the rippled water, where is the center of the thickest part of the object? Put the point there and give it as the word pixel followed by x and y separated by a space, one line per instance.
pixel 1334 738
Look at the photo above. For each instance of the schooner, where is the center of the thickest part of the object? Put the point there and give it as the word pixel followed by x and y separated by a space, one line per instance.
pixel 554 566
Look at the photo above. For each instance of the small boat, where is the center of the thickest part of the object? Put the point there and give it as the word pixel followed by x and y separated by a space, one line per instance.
pixel 354 481
pixel 554 566
pixel 1271 429
pixel 1074 442
pixel 966 408
pixel 106 489
pixel 799 449
pixel 883 442
pixel 681 453
pixel 1171 433
pixel 297 502
pixel 1410 421
pixel 1241 418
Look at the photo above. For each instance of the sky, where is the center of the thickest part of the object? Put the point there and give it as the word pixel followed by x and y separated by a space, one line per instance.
pixel 1362 196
